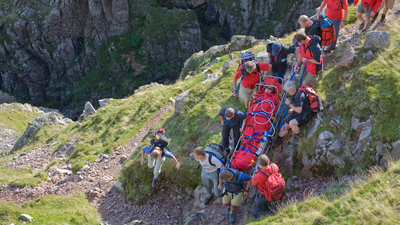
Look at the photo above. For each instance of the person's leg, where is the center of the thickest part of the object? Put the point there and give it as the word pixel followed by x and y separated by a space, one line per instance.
pixel 284 131
pixel 150 161
pixel 310 79
pixel 336 24
pixel 245 94
pixel 236 135
pixel 236 201
pixel 367 18
pixel 258 204
pixel 157 167
pixel 294 125
pixel 225 135
pixel 205 177
pixel 215 180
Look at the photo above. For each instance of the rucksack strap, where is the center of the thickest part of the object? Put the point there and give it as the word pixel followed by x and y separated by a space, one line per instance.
pixel 209 160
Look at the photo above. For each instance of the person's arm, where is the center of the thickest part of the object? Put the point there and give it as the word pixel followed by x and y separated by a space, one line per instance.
pixel 222 120
pixel 376 8
pixel 238 74
pixel 291 106
pixel 316 55
pixel 296 64
pixel 243 125
pixel 246 191
pixel 344 19
pixel 355 3
pixel 177 165
pixel 311 61
pixel 323 4
pixel 142 162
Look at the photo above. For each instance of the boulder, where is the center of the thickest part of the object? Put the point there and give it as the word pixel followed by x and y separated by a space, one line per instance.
pixel 306 171
pixel 118 186
pixel 103 102
pixel 211 13
pixel 377 39
pixel 210 77
pixel 324 137
pixel 369 55
pixel 385 162
pixel 335 122
pixel 26 217
pixel 333 160
pixel 312 128
pixel 215 61
pixel 227 65
pixel 288 166
pixel 395 150
pixel 240 42
pixel 347 75
pixel 180 101
pixel 348 56
pixel 6 98
pixel 262 57
pixel 335 147
pixel 88 110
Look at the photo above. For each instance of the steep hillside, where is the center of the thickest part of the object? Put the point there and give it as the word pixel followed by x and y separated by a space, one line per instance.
pixel 63 53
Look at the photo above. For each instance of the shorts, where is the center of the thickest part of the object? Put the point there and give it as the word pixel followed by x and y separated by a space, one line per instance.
pixel 246 94
pixel 310 79
pixel 362 9
pixel 236 200
pixel 299 118
pixel 388 3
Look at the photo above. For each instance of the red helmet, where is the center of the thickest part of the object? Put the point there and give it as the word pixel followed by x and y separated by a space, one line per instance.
pixel 161 130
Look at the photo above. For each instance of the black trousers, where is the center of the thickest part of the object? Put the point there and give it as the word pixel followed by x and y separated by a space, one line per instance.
pixel 225 134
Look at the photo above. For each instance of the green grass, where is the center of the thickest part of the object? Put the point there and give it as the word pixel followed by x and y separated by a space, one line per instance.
pixel 12 117
pixel 23 177
pixel 372 200
pixel 52 209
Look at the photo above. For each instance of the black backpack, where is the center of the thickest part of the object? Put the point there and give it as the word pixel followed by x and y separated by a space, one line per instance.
pixel 159 140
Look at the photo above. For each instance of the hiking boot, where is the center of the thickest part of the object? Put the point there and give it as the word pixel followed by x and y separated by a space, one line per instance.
pixel 277 142
pixel 154 183
pixel 382 18
pixel 207 201
pixel 232 218
pixel 361 26
pixel 374 18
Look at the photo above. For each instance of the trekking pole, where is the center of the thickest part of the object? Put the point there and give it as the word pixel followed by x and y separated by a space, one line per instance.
pixel 301 78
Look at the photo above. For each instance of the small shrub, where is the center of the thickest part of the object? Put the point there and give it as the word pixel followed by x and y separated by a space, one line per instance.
pixel 77 166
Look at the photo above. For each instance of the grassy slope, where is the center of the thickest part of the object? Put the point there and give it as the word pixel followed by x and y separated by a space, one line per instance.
pixel 373 89
pixel 52 209
pixel 191 127
pixel 12 117
pixel 372 200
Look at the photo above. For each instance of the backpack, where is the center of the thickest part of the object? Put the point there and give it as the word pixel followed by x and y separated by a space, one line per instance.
pixel 328 30
pixel 159 140
pixel 217 151
pixel 340 4
pixel 245 57
pixel 315 102
pixel 234 186
pixel 275 184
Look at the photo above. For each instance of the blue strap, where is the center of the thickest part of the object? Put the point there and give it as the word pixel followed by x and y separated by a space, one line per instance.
pixel 301 79
pixel 216 157
pixel 237 88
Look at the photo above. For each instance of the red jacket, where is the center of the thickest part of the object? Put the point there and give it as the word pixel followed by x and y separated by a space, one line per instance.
pixel 372 4
pixel 312 50
pixel 253 78
pixel 259 178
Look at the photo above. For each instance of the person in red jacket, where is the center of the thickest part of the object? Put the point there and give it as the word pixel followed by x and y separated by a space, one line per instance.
pixel 251 76
pixel 334 11
pixel 260 202
pixel 369 7
pixel 310 52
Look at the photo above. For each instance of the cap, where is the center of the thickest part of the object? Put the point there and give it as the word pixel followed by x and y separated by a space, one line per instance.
pixel 276 48
pixel 161 130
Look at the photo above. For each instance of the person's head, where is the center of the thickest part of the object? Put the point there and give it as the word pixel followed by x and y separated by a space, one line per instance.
pixel 270 90
pixel 276 48
pixel 199 152
pixel 226 175
pixel 304 21
pixel 301 38
pixel 263 160
pixel 229 113
pixel 161 131
pixel 250 66
pixel 290 87
pixel 156 153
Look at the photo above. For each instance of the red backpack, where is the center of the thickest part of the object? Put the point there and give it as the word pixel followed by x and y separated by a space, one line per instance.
pixel 315 102
pixel 275 184
pixel 327 29
pixel 245 157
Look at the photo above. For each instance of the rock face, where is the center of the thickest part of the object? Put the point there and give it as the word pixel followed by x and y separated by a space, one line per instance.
pixel 180 101
pixel 74 51
pixel 88 110
pixel 6 98
pixel 377 39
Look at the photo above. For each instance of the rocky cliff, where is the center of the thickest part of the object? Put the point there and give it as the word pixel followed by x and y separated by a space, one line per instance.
pixel 61 53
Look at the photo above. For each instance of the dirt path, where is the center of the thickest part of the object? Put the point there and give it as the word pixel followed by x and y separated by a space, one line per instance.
pixel 96 181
